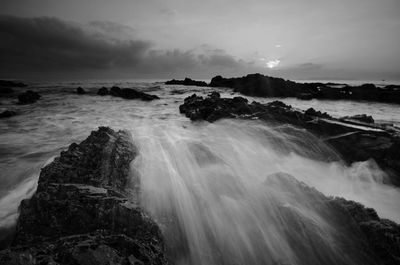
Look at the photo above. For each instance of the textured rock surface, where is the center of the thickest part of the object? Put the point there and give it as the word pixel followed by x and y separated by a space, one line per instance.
pixel 85 210
pixel 354 142
pixel 103 91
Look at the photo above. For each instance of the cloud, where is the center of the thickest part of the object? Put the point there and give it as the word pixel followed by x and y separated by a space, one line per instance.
pixel 49 44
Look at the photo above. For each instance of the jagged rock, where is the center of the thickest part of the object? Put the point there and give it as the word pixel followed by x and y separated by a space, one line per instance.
pixel 7 114
pixel 86 211
pixel 103 91
pixel 186 82
pixel 80 91
pixel 7 83
pixel 28 97
pixel 354 143
pixel 129 93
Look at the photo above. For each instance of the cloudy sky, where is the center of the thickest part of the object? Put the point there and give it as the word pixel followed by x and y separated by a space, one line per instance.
pixel 302 39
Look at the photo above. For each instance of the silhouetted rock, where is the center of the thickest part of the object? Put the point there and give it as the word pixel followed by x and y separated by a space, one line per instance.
pixel 186 82
pixel 86 210
pixel 103 91
pixel 7 83
pixel 353 142
pixel 129 93
pixel 80 91
pixel 7 114
pixel 28 97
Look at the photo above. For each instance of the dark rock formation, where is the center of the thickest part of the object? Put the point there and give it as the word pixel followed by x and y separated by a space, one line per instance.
pixel 266 86
pixel 7 114
pixel 28 97
pixel 83 211
pixel 129 93
pixel 186 82
pixel 103 91
pixel 7 83
pixel 366 237
pixel 353 142
pixel 80 91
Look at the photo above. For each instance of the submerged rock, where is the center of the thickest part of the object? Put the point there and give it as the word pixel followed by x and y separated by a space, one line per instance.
pixel 80 91
pixel 28 97
pixel 85 209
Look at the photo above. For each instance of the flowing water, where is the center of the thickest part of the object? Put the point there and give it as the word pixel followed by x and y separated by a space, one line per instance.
pixel 221 192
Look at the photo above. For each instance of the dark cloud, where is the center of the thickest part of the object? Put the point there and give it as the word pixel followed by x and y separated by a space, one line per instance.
pixel 50 44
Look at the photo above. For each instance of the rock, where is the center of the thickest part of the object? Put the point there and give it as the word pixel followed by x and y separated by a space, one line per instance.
pixel 368 238
pixel 103 91
pixel 86 210
pixel 80 91
pixel 7 83
pixel 353 142
pixel 361 117
pixel 186 82
pixel 313 112
pixel 129 93
pixel 28 97
pixel 7 114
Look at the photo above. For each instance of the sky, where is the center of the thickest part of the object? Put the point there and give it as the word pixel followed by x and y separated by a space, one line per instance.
pixel 296 39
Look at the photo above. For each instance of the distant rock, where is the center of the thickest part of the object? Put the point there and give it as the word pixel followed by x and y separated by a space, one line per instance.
pixel 103 91
pixel 186 82
pixel 7 83
pixel 28 97
pixel 80 91
pixel 313 112
pixel 7 114
pixel 85 210
pixel 129 93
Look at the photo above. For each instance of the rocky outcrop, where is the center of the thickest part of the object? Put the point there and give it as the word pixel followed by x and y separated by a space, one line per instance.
pixel 129 93
pixel 361 117
pixel 354 142
pixel 86 211
pixel 7 114
pixel 6 90
pixel 103 91
pixel 367 238
pixel 80 91
pixel 28 97
pixel 186 82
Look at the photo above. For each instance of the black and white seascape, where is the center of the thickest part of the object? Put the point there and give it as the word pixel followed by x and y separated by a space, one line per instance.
pixel 187 132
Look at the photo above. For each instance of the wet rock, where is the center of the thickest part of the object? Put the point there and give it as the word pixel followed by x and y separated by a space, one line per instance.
pixel 7 114
pixel 28 97
pixel 86 210
pixel 8 83
pixel 353 142
pixel 186 82
pixel 80 91
pixel 103 91
pixel 6 90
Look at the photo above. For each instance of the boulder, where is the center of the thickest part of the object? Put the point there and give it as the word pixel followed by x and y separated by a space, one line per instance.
pixel 129 93
pixel 28 97
pixel 80 91
pixel 86 209
pixel 186 82
pixel 103 91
